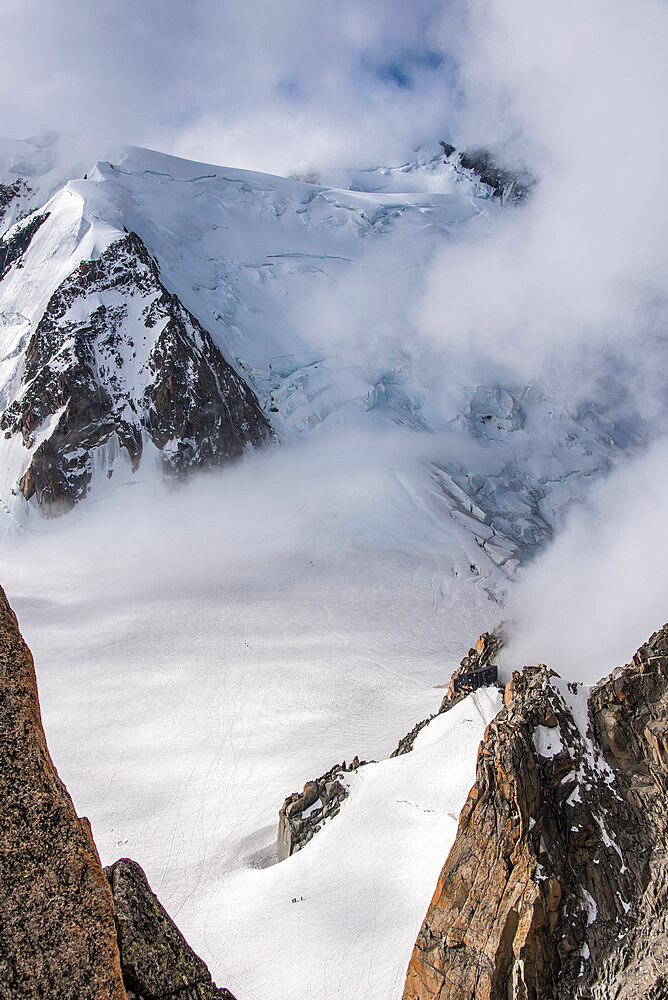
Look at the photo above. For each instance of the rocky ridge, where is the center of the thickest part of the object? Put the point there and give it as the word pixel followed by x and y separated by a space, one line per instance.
pixel 67 932
pixel 303 813
pixel 116 365
pixel 555 884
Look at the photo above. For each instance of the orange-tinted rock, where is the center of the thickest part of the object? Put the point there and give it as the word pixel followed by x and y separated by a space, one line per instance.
pixel 557 884
pixel 57 933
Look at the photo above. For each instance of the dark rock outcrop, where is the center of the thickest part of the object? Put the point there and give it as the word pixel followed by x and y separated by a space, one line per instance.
pixel 15 242
pixel 137 367
pixel 156 959
pixel 303 813
pixel 485 652
pixel 555 886
pixel 57 933
pixel 8 192
pixel 506 184
pixel 14 202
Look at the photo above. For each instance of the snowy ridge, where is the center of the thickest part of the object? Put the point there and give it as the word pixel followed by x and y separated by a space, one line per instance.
pixel 371 869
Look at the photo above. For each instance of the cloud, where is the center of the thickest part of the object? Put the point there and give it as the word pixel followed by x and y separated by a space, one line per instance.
pixel 600 591
pixel 577 92
pixel 275 87
pixel 571 291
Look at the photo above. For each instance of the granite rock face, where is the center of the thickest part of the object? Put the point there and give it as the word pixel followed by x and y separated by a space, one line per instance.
pixel 57 933
pixel 156 959
pixel 629 713
pixel 555 886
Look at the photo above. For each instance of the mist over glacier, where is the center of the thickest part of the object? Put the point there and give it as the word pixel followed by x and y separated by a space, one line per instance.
pixel 202 653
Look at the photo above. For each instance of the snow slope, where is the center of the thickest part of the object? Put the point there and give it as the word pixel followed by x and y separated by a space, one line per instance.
pixel 339 917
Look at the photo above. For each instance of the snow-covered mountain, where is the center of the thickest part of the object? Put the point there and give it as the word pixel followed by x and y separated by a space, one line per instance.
pixel 161 314
pixel 231 247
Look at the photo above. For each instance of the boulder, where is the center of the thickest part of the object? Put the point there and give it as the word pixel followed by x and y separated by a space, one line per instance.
pixel 156 959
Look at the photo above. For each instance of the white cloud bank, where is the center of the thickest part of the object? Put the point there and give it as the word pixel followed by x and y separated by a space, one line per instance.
pixel 277 87
pixel 602 588
pixel 573 293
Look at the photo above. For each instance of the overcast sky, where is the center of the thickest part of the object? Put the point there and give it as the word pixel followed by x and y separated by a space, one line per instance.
pixel 278 85
pixel 302 84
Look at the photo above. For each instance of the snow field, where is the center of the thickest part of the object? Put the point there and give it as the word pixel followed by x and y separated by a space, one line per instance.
pixel 340 918
pixel 202 653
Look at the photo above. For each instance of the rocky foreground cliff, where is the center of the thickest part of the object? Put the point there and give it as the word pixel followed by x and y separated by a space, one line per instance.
pixel 68 929
pixel 57 933
pixel 556 886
